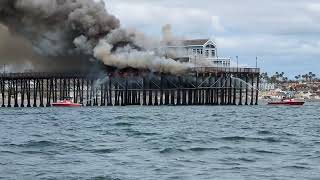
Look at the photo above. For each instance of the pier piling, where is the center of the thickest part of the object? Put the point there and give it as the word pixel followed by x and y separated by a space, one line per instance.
pixel 203 86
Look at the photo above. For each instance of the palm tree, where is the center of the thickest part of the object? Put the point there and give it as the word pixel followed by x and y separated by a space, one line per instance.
pixel 298 77
pixel 265 76
pixel 305 77
pixel 273 79
pixel 311 76
pixel 282 77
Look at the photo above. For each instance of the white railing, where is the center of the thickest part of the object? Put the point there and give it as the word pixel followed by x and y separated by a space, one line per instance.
pixel 226 69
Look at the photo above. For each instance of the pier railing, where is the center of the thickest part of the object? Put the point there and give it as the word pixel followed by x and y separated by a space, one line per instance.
pixel 45 75
pixel 226 70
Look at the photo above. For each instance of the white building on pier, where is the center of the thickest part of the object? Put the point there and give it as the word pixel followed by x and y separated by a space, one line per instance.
pixel 201 52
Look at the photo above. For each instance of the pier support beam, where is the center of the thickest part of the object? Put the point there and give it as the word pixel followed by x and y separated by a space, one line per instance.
pixel 257 89
pixel 252 90
pixel 247 91
pixel 144 94
pixel 240 93
pixel 235 84
pixel 16 93
pixel 2 84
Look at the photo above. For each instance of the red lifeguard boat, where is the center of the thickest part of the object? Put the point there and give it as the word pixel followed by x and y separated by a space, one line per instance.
pixel 67 102
pixel 287 102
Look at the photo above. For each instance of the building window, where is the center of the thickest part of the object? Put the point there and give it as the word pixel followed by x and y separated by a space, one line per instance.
pixel 201 51
pixel 207 53
pixel 210 46
pixel 194 51
pixel 198 51
pixel 213 53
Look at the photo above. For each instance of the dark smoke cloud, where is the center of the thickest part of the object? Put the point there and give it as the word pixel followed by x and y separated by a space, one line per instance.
pixel 10 44
pixel 53 25
pixel 17 54
pixel 69 33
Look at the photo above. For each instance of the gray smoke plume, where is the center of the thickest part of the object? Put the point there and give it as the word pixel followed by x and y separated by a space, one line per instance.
pixel 128 57
pixel 53 25
pixel 74 30
pixel 167 35
pixel 17 55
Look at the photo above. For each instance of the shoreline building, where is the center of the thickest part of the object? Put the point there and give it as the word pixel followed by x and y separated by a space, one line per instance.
pixel 200 52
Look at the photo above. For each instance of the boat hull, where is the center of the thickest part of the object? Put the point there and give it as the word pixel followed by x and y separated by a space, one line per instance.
pixel 65 105
pixel 296 103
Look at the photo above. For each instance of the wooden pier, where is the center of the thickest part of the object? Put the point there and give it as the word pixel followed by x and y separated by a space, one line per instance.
pixel 201 86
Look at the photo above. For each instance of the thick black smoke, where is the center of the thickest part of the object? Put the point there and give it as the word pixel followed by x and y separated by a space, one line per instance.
pixel 77 30
pixel 58 27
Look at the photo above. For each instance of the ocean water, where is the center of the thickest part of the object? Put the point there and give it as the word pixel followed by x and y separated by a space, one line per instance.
pixel 191 142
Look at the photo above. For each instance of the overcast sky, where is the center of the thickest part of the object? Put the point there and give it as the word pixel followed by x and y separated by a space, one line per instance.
pixel 284 34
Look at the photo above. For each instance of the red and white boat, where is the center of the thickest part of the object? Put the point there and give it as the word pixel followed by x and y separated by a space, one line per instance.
pixel 66 103
pixel 287 102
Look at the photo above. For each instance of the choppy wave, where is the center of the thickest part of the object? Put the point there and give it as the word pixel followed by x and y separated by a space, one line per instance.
pixel 180 150
pixel 123 124
pixel 36 144
pixel 241 138
pixel 104 151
